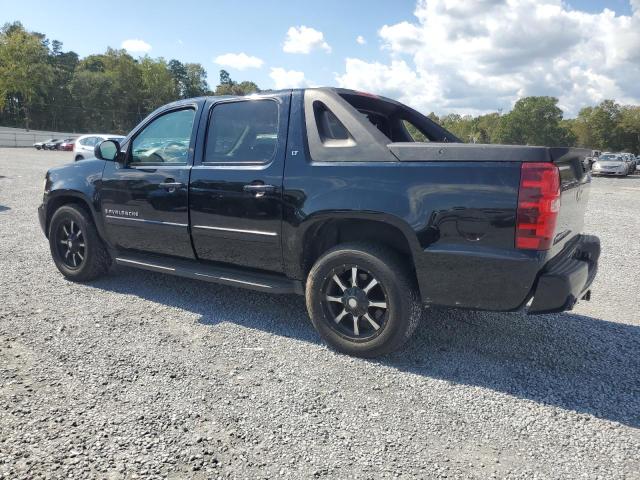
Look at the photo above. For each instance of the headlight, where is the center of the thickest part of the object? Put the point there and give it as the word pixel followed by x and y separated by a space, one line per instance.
pixel 595 165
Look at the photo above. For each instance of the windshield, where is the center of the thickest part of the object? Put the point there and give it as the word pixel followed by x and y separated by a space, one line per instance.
pixel 608 158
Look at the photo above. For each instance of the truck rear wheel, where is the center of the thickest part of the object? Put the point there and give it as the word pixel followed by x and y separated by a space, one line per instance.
pixel 362 300
pixel 76 247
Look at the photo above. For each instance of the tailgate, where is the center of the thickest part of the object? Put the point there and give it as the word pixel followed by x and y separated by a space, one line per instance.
pixel 574 192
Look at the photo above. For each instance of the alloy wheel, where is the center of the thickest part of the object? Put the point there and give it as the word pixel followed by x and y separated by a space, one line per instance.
pixel 70 243
pixel 355 303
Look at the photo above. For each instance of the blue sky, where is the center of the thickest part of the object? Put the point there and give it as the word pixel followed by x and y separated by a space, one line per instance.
pixel 203 31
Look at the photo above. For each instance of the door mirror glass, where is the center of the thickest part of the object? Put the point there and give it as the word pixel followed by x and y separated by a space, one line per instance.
pixel 107 150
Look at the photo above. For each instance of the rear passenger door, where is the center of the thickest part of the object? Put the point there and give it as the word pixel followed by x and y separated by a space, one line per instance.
pixel 235 193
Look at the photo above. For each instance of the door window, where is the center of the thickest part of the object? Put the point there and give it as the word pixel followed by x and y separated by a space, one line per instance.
pixel 165 140
pixel 242 132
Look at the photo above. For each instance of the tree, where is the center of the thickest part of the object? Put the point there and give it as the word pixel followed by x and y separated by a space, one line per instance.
pixel 533 121
pixel 229 87
pixel 25 72
pixel 225 78
pixel 93 93
pixel 630 128
pixel 598 127
pixel 196 84
pixel 158 85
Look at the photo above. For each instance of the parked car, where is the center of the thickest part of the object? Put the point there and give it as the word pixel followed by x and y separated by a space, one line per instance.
pixel 85 144
pixel 67 144
pixel 51 145
pixel 324 192
pixel 55 144
pixel 47 143
pixel 630 158
pixel 610 164
pixel 40 145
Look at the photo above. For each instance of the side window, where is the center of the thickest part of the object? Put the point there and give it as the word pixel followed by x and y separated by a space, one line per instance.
pixel 329 126
pixel 245 131
pixel 413 132
pixel 165 140
pixel 87 142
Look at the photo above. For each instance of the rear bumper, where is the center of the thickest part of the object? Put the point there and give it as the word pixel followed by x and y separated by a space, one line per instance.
pixel 567 278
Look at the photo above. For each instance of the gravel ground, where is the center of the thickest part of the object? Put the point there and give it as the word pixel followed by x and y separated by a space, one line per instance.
pixel 144 375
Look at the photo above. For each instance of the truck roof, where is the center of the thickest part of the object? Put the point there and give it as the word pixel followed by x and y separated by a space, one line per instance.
pixel 340 91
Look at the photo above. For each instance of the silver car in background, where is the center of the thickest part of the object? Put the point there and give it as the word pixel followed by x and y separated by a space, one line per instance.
pixel 610 164
pixel 85 144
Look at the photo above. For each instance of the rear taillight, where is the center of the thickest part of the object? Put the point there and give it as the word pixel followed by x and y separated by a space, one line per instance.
pixel 538 206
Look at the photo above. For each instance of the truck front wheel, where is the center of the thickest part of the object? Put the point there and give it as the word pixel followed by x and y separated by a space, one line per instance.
pixel 76 247
pixel 362 299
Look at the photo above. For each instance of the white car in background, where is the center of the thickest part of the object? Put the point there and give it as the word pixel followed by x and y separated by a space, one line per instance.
pixel 83 148
pixel 610 164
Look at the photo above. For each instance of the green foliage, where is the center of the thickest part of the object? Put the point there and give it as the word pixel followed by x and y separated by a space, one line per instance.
pixel 533 121
pixel 629 128
pixel 25 70
pixel 42 86
pixel 599 127
pixel 229 87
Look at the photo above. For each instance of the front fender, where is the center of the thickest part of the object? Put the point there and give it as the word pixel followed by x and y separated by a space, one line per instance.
pixel 74 183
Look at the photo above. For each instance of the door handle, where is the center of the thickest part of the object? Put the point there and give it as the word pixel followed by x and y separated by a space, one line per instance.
pixel 258 189
pixel 171 185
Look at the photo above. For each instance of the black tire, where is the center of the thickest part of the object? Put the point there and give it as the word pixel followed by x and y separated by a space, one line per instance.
pixel 86 257
pixel 78 158
pixel 38 148
pixel 394 287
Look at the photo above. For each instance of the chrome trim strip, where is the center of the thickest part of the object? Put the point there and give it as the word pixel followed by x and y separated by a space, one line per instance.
pixel 227 279
pixel 155 222
pixel 238 230
pixel 126 260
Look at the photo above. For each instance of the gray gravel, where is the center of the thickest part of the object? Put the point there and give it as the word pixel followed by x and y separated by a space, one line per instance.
pixel 144 375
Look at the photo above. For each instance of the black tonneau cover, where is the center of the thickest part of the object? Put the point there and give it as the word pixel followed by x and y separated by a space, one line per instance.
pixel 474 152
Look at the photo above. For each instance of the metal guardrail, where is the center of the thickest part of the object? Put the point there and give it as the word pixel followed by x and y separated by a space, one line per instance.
pixel 20 137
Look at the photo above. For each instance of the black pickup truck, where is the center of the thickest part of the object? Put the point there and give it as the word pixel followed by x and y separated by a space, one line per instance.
pixel 362 204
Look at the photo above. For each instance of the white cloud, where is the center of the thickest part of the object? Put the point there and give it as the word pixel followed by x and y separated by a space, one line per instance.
pixel 288 78
pixel 474 57
pixel 361 40
pixel 304 39
pixel 239 61
pixel 135 45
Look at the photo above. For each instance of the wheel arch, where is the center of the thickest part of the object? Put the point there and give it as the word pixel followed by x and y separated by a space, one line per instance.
pixel 68 197
pixel 324 231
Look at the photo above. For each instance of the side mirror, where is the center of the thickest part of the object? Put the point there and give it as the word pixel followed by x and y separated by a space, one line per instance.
pixel 107 150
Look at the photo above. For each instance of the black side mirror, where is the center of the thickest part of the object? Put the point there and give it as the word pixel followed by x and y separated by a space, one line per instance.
pixel 107 150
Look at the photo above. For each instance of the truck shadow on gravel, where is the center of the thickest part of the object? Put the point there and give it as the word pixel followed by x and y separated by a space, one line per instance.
pixel 566 360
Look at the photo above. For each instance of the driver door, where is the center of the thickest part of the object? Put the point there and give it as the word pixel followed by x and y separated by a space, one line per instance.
pixel 145 200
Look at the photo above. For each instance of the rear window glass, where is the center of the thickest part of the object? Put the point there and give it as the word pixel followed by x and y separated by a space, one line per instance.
pixel 245 131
